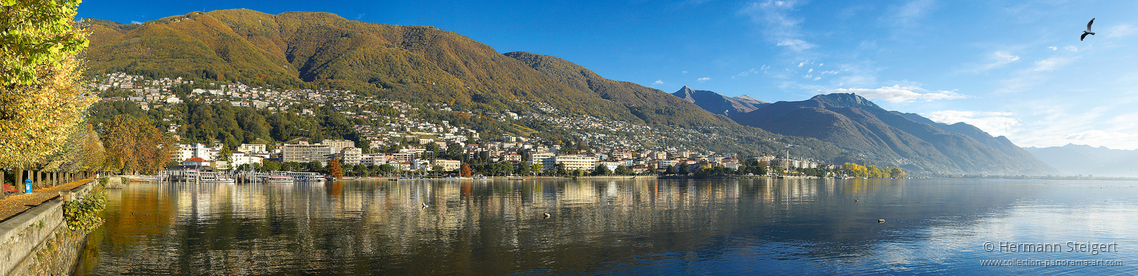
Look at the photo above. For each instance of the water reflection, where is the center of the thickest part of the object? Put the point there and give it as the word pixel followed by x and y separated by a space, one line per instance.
pixel 595 227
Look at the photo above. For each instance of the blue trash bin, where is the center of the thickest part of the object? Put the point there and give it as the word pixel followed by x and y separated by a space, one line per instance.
pixel 27 186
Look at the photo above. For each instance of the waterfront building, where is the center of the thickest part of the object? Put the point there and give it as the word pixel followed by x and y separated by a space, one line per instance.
pixel 575 162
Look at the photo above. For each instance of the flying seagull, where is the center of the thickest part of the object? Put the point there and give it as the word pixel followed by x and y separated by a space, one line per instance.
pixel 1088 31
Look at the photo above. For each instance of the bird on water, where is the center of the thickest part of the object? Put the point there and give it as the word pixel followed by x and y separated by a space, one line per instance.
pixel 1088 31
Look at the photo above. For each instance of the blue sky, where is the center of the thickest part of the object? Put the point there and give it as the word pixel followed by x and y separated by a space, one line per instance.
pixel 1013 68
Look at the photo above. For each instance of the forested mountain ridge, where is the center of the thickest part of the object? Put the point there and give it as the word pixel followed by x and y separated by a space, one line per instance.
pixel 649 104
pixel 310 49
pixel 855 123
pixel 417 64
pixel 412 64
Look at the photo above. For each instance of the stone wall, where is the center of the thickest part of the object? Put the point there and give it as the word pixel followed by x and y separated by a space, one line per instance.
pixel 38 241
pixel 23 234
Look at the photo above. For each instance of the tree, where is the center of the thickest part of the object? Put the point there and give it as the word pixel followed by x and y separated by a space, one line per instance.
pixel 386 169
pixel 359 169
pixel 314 166
pixel 536 167
pixel 41 95
pixel 897 172
pixel 561 169
pixel 38 35
pixel 523 168
pixel 334 169
pixel 601 170
pixel 437 169
pixel 684 168
pixel 623 170
pixel 465 169
pixel 454 151
pixel 134 145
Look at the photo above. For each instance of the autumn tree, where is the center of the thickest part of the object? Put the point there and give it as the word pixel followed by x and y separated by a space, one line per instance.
pixel 334 168
pixel 134 145
pixel 41 95
pixel 83 151
pixel 466 170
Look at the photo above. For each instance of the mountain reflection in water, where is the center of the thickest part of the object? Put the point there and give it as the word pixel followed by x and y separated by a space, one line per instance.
pixel 604 227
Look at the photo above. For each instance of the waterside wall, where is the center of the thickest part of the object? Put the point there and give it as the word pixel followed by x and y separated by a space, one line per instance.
pixel 38 230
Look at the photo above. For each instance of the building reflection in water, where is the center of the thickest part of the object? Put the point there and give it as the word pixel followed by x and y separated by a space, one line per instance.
pixel 492 227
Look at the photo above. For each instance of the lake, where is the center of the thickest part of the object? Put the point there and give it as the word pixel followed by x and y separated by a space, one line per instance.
pixel 716 227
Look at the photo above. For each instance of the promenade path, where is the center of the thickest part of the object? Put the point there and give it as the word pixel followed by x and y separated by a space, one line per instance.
pixel 18 203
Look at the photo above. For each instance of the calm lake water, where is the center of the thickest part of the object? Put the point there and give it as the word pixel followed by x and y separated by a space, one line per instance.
pixel 757 226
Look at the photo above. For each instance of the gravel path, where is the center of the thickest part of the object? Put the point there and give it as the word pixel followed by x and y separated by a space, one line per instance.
pixel 18 203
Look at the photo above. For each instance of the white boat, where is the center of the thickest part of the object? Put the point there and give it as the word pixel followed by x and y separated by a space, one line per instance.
pixel 275 178
pixel 214 177
pixel 307 177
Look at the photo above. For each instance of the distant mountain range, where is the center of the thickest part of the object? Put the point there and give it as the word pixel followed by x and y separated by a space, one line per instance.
pixel 425 64
pixel 910 141
pixel 1086 160
pixel 719 104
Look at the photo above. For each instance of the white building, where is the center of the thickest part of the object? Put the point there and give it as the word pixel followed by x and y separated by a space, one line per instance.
pixel 351 155
pixel 547 160
pixel 449 165
pixel 303 153
pixel 187 151
pixel 252 148
pixel 575 162
pixel 338 145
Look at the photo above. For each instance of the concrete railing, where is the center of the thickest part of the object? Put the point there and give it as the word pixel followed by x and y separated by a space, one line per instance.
pixel 21 236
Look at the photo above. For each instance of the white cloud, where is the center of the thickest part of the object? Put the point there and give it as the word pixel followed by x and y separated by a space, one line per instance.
pixel 898 93
pixel 817 78
pixel 908 14
pixel 807 76
pixel 801 63
pixel 135 22
pixel 1072 48
pixel 796 44
pixel 1028 78
pixel 994 123
pixel 764 68
pixel 658 82
pixel 1123 30
pixel 685 72
pixel 1000 58
pixel 811 70
pixel 776 23
pixel 1050 64
pixel 1053 48
pixel 703 79
pixel 747 73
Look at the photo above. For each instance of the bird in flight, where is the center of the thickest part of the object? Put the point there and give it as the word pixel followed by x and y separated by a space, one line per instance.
pixel 1088 31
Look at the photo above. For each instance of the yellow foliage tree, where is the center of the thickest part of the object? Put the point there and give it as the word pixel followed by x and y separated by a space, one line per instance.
pixel 134 145
pixel 41 94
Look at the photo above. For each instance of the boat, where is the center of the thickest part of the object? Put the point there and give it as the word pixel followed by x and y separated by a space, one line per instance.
pixel 306 177
pixel 214 177
pixel 275 178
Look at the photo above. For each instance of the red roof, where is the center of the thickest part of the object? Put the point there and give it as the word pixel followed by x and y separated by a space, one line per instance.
pixel 195 159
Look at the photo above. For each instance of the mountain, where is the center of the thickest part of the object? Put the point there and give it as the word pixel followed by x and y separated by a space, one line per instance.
pixel 313 49
pixel 647 103
pixel 1086 160
pixel 1000 143
pixel 405 63
pixel 719 104
pixel 857 124
pixel 425 64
